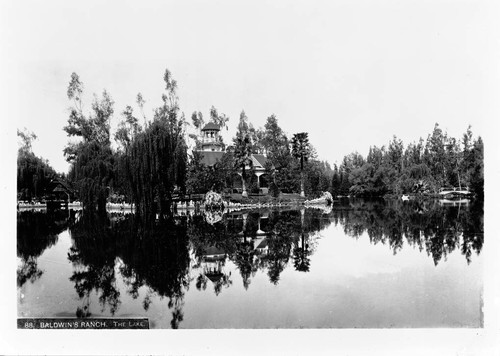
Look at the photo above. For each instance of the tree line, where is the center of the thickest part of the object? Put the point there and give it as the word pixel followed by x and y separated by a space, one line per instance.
pixel 421 167
pixel 150 161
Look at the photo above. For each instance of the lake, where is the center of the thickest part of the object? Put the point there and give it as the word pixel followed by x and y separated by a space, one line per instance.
pixel 356 264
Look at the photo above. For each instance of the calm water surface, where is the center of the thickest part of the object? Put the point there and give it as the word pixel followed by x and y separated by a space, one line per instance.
pixel 359 264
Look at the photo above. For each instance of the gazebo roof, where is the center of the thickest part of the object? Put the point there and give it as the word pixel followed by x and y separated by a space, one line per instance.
pixel 211 126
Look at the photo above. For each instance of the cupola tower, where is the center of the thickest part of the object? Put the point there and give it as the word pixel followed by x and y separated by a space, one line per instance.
pixel 210 139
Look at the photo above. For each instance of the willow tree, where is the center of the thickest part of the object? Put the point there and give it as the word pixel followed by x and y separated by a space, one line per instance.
pixel 128 128
pixel 301 151
pixel 157 156
pixel 91 157
pixel 34 174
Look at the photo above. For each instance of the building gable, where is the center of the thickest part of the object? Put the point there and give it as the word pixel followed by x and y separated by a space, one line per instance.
pixel 259 161
pixel 209 158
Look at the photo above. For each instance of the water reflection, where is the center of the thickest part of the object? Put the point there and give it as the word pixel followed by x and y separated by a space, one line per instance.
pixel 428 225
pixel 37 231
pixel 159 259
pixel 151 254
pixel 261 240
pixel 93 257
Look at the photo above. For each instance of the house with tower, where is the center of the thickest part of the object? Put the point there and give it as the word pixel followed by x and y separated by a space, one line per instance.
pixel 212 149
pixel 212 146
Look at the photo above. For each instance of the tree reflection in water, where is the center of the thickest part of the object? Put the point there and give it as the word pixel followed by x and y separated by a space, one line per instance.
pixel 211 243
pixel 150 253
pixel 155 254
pixel 37 231
pixel 253 241
pixel 160 258
pixel 301 253
pixel 93 256
pixel 284 229
pixel 427 225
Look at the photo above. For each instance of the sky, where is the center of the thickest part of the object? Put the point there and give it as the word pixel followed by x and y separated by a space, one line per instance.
pixel 350 73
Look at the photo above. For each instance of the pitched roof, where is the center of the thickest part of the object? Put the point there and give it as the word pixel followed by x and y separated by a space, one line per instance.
pixel 259 160
pixel 215 276
pixel 62 186
pixel 211 126
pixel 209 158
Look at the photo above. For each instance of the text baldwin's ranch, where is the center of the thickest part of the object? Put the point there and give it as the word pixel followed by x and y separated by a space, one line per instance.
pixel 83 323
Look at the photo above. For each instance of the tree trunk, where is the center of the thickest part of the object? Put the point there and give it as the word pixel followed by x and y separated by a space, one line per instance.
pixel 244 192
pixel 302 194
pixel 243 185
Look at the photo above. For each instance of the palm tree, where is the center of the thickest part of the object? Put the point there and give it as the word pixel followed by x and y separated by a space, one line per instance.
pixel 301 150
pixel 242 157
